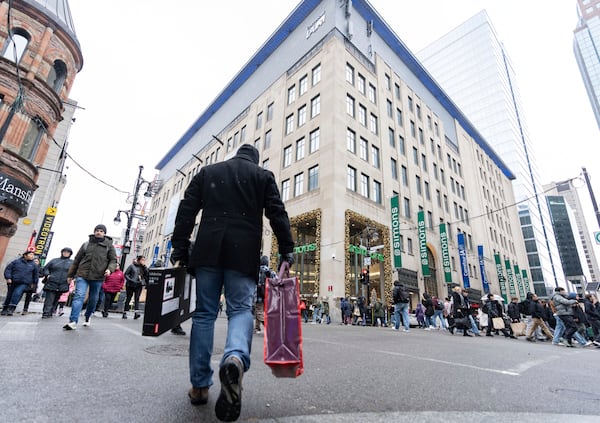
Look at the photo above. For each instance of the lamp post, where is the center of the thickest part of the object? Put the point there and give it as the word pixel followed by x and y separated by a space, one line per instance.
pixel 131 214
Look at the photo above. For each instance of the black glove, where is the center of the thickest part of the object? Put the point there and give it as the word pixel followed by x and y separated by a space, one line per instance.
pixel 288 257
pixel 180 255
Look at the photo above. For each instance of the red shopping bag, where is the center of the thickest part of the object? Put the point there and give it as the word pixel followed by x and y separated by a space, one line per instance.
pixel 283 325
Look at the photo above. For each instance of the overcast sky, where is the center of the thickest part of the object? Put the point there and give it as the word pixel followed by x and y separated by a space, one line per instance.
pixel 151 68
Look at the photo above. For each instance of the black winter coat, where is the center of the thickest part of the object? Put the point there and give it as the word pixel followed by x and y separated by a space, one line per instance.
pixel 21 271
pixel 136 275
pixel 56 271
pixel 232 196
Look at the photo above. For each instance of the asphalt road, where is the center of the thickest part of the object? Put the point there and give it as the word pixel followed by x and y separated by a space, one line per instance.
pixel 110 373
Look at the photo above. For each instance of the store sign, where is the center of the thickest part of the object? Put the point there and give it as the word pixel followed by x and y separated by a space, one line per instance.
pixel 43 239
pixel 511 279
pixel 15 194
pixel 396 244
pixel 501 279
pixel 462 253
pixel 312 28
pixel 445 253
pixel 423 243
pixel 305 248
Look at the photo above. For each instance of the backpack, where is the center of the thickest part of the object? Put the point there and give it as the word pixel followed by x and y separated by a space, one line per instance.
pixel 552 306
pixel 400 295
pixel 437 304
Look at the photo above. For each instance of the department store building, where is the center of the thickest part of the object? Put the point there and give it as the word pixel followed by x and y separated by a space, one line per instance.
pixel 379 170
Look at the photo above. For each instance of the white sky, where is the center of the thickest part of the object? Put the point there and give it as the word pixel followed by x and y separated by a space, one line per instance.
pixel 151 68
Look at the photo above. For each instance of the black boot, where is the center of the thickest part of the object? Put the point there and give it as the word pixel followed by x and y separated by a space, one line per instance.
pixel 11 310
pixel 124 315
pixel 4 311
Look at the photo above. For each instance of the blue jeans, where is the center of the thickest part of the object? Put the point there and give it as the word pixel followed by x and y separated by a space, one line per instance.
pixel 17 293
pixel 401 308
pixel 439 314
pixel 473 325
pixel 239 294
pixel 81 287
pixel 559 329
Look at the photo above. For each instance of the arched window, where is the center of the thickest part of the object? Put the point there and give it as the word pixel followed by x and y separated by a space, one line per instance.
pixel 15 45
pixel 57 75
pixel 31 142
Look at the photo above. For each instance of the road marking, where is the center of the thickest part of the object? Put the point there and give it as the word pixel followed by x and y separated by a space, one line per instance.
pixel 452 363
pixel 18 331
pixel 126 329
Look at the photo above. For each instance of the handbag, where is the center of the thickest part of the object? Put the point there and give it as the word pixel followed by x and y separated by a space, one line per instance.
pixel 283 325
pixel 518 328
pixel 498 323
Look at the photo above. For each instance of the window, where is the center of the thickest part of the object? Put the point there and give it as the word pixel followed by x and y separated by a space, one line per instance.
pixel 291 94
pixel 377 191
pixel 349 73
pixel 285 190
pixel 401 145
pixel 418 184
pixel 364 149
pixel 406 203
pixel 413 129
pixel 300 149
pixel 388 82
pixel 289 124
pixel 389 108
pixel 435 172
pixel 392 137
pixel 427 192
pixel 257 143
pixel 364 185
pixel 287 156
pixel 31 142
pixel 394 169
pixel 430 220
pixel 373 123
pixel 436 129
pixel 438 198
pixel 313 178
pixel 415 156
pixel 270 108
pixel 351 179
pixel 409 246
pixel 397 91
pixel 375 159
pixel 298 184
pixel 410 104
pixel 315 106
pixel 372 95
pixel 236 139
pixel 15 46
pixel 303 85
pixel 362 115
pixel 424 162
pixel 265 164
pixel 399 117
pixel 316 74
pixel 243 134
pixel 302 115
pixel 350 105
pixel 57 75
pixel 267 139
pixel 404 172
pixel 351 140
pixel 259 118
pixel 421 139
pixel 419 112
pixel 314 141
pixel 442 177
pixel 361 84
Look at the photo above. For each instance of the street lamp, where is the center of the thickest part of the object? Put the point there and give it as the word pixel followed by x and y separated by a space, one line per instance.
pixel 131 214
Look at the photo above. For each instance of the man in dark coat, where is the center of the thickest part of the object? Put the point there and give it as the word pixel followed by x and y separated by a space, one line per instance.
pixel 55 280
pixel 95 259
pixel 232 196
pixel 19 274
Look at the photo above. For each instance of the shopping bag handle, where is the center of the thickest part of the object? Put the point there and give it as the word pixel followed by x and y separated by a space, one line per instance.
pixel 284 270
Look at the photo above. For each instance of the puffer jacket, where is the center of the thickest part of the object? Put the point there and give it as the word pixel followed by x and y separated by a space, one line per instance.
pixel 563 305
pixel 21 271
pixel 114 282
pixel 56 271
pixel 93 258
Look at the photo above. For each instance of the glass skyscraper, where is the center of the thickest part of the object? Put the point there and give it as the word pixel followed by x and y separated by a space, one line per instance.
pixel 472 66
pixel 586 42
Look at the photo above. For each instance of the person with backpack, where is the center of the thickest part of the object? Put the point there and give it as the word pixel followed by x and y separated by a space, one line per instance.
pixel 438 313
pixel 564 312
pixel 401 298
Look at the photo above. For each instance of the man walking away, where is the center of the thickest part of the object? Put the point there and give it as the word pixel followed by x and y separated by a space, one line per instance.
pixel 233 195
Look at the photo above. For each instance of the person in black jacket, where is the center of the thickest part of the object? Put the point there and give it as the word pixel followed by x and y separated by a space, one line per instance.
pixel 233 195
pixel 592 313
pixel 19 274
pixel 136 277
pixel 513 310
pixel 537 315
pixel 493 308
pixel 55 280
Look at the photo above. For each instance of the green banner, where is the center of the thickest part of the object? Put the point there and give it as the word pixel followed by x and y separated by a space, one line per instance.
pixel 445 253
pixel 519 282
pixel 423 243
pixel 501 279
pixel 525 281
pixel 396 244
pixel 511 279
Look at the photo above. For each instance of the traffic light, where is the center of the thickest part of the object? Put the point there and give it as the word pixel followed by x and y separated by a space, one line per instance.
pixel 364 277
